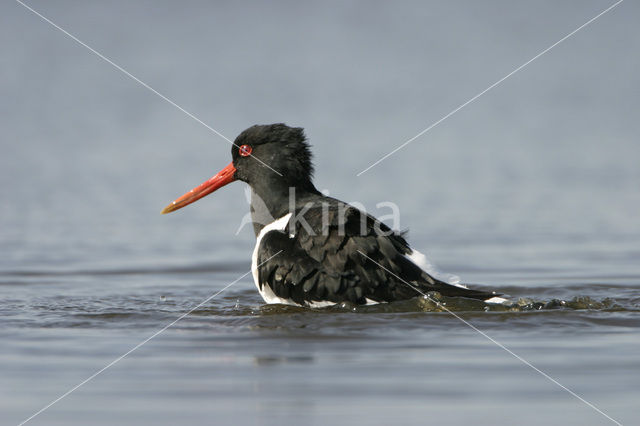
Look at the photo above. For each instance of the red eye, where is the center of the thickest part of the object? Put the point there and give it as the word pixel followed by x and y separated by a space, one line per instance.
pixel 245 150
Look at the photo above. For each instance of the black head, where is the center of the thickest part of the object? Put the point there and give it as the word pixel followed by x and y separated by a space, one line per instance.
pixel 271 158
pixel 273 152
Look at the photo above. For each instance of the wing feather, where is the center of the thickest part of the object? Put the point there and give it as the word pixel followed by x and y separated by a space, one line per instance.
pixel 325 262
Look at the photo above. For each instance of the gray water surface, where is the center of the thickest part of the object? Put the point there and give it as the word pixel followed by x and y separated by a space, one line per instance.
pixel 532 190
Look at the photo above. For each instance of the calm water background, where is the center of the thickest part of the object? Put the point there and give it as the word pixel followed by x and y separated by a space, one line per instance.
pixel 532 190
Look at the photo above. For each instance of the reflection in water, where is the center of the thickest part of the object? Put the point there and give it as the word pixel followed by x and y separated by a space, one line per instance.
pixel 238 354
pixel 279 359
pixel 434 302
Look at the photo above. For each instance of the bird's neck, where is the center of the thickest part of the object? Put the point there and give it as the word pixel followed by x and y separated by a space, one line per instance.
pixel 272 201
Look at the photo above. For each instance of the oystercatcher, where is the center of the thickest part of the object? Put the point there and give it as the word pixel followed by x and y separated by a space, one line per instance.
pixel 319 251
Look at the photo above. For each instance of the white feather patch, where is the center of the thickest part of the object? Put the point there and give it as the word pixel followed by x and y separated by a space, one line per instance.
pixel 421 260
pixel 496 300
pixel 267 294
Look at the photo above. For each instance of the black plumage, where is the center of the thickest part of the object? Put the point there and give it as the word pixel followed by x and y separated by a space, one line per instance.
pixel 333 260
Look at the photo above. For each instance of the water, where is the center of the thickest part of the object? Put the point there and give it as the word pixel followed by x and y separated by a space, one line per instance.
pixel 531 191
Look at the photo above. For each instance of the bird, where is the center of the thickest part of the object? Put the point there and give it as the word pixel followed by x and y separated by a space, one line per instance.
pixel 313 250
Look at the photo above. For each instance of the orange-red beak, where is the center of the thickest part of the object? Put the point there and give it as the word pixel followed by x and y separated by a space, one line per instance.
pixel 222 178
